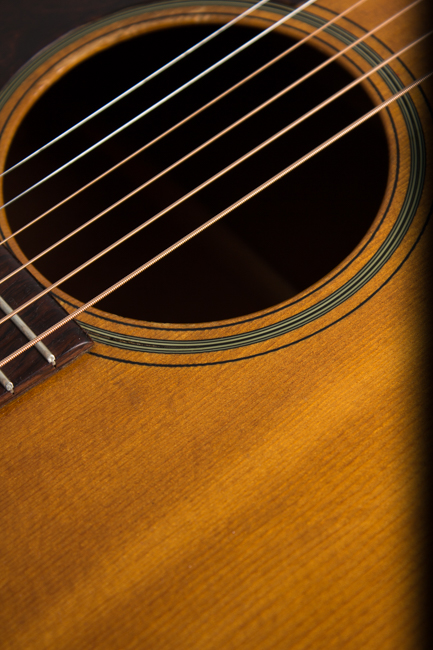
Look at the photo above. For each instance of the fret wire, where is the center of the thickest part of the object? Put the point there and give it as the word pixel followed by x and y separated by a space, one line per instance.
pixel 210 180
pixel 191 116
pixel 216 218
pixel 162 101
pixel 213 139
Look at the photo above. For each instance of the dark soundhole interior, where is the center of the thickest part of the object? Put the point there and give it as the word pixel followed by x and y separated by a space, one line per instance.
pixel 274 246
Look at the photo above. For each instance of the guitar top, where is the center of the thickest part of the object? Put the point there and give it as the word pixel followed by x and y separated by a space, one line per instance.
pixel 219 470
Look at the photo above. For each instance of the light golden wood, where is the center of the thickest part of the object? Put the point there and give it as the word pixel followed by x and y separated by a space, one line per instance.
pixel 273 502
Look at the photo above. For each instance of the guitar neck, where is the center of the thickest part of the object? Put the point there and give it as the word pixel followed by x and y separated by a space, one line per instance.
pixel 255 482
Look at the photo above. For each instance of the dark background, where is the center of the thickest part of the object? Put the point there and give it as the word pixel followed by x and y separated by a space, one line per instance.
pixel 26 26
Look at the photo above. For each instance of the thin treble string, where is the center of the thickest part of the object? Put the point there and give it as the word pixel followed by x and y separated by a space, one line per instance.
pixel 220 134
pixel 162 101
pixel 213 178
pixel 139 84
pixel 189 117
pixel 213 220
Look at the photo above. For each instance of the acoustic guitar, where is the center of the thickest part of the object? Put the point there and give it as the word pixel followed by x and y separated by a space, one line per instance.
pixel 228 451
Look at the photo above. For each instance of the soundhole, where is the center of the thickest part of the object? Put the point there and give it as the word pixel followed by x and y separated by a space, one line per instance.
pixel 276 245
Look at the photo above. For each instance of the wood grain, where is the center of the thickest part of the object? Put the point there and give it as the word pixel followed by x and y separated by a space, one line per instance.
pixel 210 500
pixel 67 343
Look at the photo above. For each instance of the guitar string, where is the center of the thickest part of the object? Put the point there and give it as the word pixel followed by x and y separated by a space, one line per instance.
pixel 191 116
pixel 162 101
pixel 214 219
pixel 201 147
pixel 210 180
pixel 139 84
pixel 217 136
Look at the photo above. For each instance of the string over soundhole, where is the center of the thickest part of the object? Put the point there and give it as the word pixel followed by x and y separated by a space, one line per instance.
pixel 273 247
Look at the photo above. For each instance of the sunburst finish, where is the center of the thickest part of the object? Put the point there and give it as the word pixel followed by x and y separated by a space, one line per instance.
pixel 251 483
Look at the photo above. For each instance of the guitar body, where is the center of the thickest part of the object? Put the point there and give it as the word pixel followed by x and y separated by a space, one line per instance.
pixel 251 483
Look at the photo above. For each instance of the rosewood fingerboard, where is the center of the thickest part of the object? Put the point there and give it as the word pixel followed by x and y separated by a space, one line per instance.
pixel 66 343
